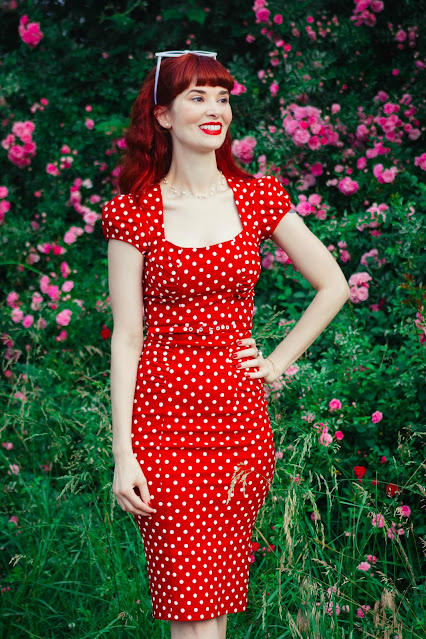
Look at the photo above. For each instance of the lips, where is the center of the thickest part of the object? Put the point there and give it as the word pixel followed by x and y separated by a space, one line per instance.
pixel 211 128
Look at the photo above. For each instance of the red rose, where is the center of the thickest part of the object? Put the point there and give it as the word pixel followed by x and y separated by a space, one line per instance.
pixel 105 332
pixel 359 471
pixel 392 490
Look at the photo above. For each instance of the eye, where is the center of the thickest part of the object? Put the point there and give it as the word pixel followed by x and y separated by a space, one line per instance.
pixel 197 97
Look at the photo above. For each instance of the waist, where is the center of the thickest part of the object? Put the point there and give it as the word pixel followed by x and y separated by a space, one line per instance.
pixel 199 332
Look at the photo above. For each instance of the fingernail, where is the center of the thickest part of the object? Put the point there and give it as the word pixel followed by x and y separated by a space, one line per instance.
pixel 149 504
pixel 239 342
pixel 234 356
pixel 239 365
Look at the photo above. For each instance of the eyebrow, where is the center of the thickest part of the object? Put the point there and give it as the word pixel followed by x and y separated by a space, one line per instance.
pixel 225 91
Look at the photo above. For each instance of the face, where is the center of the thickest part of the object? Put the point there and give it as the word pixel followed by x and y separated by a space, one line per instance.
pixel 198 118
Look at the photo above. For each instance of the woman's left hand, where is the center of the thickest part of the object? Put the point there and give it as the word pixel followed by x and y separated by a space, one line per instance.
pixel 266 367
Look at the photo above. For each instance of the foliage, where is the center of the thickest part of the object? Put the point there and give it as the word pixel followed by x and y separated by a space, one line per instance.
pixel 329 99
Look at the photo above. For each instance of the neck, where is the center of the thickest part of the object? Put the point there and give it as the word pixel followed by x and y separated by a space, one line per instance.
pixel 193 172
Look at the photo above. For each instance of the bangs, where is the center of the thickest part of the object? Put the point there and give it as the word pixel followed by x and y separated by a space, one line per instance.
pixel 179 73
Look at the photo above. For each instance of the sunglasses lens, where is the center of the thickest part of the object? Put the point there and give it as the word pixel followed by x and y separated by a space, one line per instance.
pixel 172 54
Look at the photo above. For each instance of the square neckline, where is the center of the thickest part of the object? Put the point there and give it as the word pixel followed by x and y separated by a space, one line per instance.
pixel 195 248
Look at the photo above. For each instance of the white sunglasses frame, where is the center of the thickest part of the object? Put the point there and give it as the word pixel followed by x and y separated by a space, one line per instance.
pixel 175 54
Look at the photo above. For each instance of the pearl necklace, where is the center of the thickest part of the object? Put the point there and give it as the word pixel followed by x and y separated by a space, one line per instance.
pixel 219 185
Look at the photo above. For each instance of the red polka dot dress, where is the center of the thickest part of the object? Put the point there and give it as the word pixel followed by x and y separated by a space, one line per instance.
pixel 200 426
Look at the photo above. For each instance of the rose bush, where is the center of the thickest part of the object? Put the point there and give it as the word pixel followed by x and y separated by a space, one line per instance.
pixel 329 99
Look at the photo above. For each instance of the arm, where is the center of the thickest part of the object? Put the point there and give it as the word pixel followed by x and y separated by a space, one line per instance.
pixel 125 290
pixel 125 265
pixel 314 261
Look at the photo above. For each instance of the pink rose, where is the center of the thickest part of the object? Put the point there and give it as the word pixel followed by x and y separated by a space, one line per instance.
pixel 378 520
pixel 238 89
pixel 244 149
pixel 274 88
pixel 4 206
pixel 335 404
pixel 316 170
pixel 17 315
pixel 30 32
pixel 262 15
pixel 301 136
pixel 28 321
pixel 268 261
pixel 52 169
pixel 348 186
pixel 64 317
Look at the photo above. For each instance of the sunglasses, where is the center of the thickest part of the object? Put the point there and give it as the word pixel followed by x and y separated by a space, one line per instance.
pixel 175 54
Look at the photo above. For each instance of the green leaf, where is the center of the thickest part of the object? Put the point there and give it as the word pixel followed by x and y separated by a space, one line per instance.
pixel 172 14
pixel 114 125
pixel 196 15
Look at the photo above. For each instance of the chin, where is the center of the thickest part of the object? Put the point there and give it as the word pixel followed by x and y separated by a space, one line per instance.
pixel 209 145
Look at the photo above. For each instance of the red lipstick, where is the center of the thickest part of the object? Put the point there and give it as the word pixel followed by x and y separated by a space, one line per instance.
pixel 211 128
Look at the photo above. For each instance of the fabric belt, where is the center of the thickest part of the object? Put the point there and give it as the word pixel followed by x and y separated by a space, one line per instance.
pixel 203 328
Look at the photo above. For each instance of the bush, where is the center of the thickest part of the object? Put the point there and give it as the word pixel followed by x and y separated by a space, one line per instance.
pixel 327 98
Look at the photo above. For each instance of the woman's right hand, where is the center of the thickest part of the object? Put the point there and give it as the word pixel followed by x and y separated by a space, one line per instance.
pixel 127 475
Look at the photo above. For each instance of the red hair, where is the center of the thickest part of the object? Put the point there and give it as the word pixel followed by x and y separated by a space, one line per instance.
pixel 148 153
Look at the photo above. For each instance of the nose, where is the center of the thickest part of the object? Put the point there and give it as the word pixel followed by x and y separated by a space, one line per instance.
pixel 212 108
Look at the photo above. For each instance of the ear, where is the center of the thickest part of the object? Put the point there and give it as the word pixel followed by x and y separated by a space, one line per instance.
pixel 162 117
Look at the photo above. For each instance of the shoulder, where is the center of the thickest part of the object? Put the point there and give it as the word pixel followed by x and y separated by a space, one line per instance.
pixel 123 219
pixel 271 202
pixel 120 212
pixel 268 192
pixel 120 204
pixel 268 185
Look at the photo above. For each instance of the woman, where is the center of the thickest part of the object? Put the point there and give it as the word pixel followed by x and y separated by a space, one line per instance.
pixel 192 441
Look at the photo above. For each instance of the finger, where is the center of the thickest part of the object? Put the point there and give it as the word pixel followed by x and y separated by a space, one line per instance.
pixel 142 507
pixel 248 352
pixel 262 372
pixel 141 504
pixel 124 504
pixel 137 509
pixel 257 374
pixel 256 361
pixel 132 506
pixel 144 491
pixel 248 342
pixel 248 363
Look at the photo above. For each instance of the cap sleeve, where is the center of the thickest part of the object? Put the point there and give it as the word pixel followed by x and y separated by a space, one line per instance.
pixel 122 219
pixel 270 203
